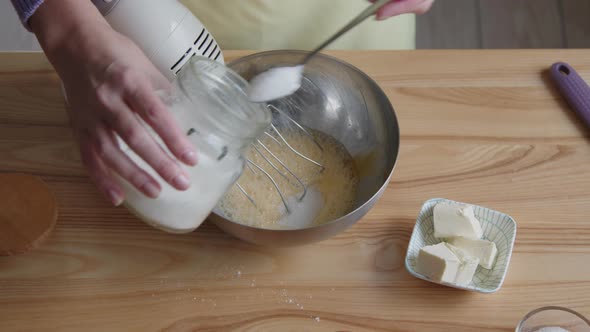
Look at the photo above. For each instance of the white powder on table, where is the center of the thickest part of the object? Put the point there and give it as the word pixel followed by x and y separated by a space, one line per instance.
pixel 275 83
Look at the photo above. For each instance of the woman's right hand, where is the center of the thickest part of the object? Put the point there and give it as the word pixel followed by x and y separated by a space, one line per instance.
pixel 398 7
pixel 109 82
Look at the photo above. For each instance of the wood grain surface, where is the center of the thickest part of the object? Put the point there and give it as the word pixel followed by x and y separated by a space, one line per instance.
pixel 485 127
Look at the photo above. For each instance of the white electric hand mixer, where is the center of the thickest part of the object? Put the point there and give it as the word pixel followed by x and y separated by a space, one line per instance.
pixel 167 32
pixel 170 35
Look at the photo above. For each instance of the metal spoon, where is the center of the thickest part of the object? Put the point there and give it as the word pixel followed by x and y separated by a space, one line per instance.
pixel 372 9
pixel 267 80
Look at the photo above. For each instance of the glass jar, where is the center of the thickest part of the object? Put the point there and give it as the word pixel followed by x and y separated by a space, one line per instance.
pixel 210 104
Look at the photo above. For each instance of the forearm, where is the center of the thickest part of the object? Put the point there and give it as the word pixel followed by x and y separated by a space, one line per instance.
pixel 73 33
pixel 56 22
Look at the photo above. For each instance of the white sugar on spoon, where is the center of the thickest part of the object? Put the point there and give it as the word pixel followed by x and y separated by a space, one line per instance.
pixel 275 83
pixel 282 81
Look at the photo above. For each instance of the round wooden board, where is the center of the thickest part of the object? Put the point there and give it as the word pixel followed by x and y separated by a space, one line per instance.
pixel 28 212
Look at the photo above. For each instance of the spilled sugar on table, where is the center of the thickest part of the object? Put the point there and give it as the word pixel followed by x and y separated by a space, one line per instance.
pixel 485 127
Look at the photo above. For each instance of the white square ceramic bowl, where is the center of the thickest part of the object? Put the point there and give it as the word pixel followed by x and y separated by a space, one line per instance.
pixel 497 227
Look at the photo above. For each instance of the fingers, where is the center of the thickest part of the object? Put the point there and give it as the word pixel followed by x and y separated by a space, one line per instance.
pixel 425 7
pixel 100 153
pixel 100 174
pixel 119 162
pixel 124 122
pixel 144 101
pixel 138 91
pixel 398 7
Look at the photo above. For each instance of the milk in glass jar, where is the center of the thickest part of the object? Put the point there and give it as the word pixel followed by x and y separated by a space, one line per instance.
pixel 210 103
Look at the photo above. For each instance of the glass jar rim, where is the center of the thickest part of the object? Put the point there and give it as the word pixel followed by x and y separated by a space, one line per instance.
pixel 536 311
pixel 215 75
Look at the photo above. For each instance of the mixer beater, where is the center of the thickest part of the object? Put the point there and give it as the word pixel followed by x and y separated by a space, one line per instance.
pixel 265 152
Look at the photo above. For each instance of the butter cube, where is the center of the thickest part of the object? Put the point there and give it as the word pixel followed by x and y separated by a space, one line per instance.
pixel 454 220
pixel 486 251
pixel 445 263
pixel 467 268
pixel 438 263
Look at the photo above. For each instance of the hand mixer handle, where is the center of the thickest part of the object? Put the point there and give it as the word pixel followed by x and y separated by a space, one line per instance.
pixel 165 30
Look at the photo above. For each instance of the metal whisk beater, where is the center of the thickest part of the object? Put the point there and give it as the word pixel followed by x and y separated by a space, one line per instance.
pixel 272 159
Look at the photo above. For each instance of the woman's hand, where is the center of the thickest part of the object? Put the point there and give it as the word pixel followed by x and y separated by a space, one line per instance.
pixel 398 7
pixel 109 83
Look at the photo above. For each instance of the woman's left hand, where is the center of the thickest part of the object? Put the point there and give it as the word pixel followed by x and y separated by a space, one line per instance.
pixel 398 7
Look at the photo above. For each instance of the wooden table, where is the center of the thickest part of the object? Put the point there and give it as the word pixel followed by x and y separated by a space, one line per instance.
pixel 485 127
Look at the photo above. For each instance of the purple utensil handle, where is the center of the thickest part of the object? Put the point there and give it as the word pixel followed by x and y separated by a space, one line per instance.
pixel 573 88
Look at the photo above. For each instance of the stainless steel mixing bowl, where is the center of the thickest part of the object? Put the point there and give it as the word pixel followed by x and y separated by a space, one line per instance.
pixel 340 100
